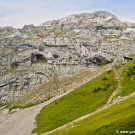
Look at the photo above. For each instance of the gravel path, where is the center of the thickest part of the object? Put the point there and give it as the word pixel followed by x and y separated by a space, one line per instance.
pixel 22 121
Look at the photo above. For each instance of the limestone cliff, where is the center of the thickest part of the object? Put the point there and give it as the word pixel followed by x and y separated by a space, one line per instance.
pixel 28 55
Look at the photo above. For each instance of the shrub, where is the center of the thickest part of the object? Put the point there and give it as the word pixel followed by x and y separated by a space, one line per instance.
pixel 105 78
pixel 97 89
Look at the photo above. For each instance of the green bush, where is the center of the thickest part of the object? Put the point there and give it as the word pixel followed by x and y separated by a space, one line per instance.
pixel 128 79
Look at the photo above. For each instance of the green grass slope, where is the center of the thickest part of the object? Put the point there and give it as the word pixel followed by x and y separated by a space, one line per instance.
pixel 82 101
pixel 118 118
pixel 128 79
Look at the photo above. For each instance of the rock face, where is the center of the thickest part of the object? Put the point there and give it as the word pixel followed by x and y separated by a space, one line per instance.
pixel 80 40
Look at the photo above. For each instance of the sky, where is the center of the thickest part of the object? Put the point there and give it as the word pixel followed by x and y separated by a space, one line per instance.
pixel 17 13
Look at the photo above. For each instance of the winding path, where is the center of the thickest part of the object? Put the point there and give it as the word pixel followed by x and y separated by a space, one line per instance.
pixel 22 122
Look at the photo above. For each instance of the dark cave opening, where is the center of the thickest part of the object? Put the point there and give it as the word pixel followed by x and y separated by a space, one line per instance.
pixel 38 58
pixel 56 56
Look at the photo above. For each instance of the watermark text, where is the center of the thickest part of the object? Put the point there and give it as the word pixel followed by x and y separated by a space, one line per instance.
pixel 125 132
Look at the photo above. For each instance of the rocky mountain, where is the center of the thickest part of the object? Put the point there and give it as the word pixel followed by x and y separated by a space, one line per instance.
pixel 32 55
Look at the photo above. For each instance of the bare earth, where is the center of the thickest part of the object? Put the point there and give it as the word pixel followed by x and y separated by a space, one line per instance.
pixel 20 122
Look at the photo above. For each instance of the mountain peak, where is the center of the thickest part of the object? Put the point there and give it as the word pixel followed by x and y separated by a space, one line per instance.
pixel 80 39
pixel 94 18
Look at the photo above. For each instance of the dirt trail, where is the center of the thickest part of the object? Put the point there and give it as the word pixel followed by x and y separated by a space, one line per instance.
pixel 119 87
pixel 117 90
pixel 22 122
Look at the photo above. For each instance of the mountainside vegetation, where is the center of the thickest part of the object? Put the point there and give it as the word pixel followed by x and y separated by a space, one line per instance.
pixel 81 101
pixel 87 99
pixel 128 79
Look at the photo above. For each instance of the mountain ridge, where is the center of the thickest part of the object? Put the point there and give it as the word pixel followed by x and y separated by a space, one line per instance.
pixel 31 55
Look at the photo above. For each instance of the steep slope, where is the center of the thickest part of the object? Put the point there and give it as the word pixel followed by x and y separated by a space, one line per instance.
pixel 111 120
pixel 10 121
pixel 81 101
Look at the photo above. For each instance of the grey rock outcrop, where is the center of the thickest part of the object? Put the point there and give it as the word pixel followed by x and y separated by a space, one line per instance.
pixel 80 40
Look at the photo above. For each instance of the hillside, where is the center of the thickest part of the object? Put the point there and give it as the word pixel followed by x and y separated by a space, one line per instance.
pixel 81 101
pixel 88 100
pixel 93 98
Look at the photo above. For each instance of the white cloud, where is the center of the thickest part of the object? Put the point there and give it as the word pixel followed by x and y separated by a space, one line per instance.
pixel 34 12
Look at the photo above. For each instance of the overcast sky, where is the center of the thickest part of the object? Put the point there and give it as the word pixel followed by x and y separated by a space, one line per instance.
pixel 17 13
